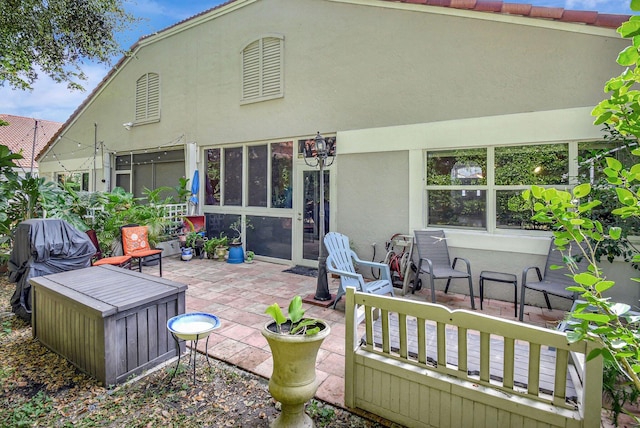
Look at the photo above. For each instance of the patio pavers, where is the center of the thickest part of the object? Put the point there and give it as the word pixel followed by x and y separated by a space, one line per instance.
pixel 239 293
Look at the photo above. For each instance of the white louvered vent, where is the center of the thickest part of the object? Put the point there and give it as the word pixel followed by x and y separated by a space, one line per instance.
pixel 262 70
pixel 271 67
pixel 148 97
pixel 141 98
pixel 251 71
pixel 153 96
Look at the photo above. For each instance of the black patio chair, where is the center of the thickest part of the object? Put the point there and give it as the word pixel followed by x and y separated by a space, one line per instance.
pixel 433 259
pixel 554 282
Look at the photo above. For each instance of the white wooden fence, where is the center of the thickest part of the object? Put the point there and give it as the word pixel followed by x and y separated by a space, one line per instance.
pixel 498 373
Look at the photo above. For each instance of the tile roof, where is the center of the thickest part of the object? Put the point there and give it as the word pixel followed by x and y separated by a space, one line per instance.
pixel 19 136
pixel 592 18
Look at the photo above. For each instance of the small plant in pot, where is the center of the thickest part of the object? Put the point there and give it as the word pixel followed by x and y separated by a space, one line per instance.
pixel 236 226
pixel 249 256
pixel 216 247
pixel 236 254
pixel 196 241
pixel 294 342
pixel 210 247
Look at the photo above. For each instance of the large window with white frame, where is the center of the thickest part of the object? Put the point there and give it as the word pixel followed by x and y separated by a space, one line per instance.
pixel 250 176
pixel 135 172
pixel 254 183
pixel 480 188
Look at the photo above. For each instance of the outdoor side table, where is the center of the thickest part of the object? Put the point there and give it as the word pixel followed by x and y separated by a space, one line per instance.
pixel 507 278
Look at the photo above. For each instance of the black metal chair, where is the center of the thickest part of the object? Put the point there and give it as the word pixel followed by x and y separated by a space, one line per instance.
pixel 554 282
pixel 433 259
pixel 99 260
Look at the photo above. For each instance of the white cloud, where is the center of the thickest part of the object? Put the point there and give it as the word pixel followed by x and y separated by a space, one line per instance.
pixel 605 6
pixel 53 101
pixel 50 100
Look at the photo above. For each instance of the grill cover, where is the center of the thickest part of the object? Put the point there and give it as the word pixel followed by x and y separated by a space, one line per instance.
pixel 42 247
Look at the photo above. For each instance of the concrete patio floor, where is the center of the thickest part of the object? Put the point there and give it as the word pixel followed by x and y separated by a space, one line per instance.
pixel 239 294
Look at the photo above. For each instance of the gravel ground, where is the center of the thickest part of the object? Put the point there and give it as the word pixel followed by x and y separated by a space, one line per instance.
pixel 39 388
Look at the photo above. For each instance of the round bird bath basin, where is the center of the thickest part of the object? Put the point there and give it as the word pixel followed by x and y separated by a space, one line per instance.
pixel 193 326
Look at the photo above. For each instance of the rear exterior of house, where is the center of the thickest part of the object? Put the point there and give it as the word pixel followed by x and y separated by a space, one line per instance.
pixel 439 117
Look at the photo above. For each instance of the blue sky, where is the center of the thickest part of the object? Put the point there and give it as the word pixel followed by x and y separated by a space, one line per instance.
pixel 51 101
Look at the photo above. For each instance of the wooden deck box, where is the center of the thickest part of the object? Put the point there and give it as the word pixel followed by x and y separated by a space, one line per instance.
pixel 109 322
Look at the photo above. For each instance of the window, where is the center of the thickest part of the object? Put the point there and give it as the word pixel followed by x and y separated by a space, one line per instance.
pixel 456 180
pixel 481 188
pixel 267 180
pixel 591 157
pixel 78 181
pixel 212 183
pixel 232 190
pixel 517 168
pixel 136 172
pixel 281 170
pixel 148 97
pixel 257 186
pixel 262 69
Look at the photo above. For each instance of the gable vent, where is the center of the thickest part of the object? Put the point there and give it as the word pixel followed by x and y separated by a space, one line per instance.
pixel 148 97
pixel 262 74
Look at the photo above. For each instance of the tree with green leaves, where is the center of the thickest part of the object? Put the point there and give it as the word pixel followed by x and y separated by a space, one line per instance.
pixel 56 36
pixel 570 214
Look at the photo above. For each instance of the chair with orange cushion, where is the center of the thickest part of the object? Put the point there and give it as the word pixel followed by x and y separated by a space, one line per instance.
pixel 135 243
pixel 98 260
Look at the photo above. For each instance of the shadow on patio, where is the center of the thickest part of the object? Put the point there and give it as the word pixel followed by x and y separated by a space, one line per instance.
pixel 239 294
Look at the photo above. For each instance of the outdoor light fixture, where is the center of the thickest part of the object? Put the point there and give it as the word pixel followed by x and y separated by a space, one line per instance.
pixel 322 286
pixel 128 125
pixel 321 145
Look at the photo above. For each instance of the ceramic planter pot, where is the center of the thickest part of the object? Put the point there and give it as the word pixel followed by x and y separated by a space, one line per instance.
pixel 186 254
pixel 221 252
pixel 236 253
pixel 293 381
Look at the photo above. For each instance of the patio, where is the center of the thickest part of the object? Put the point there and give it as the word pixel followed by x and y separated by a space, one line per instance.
pixel 239 293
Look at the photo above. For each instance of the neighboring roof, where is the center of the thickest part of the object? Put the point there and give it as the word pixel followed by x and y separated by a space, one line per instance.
pixel 593 18
pixel 18 136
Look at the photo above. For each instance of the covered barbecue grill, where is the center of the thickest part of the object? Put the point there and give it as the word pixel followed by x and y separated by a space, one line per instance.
pixel 42 247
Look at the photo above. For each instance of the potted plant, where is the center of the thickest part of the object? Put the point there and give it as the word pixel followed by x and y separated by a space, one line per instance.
pixel 195 240
pixel 216 247
pixel 236 255
pixel 294 343
pixel 236 226
pixel 187 227
pixel 210 247
pixel 249 256
pixel 186 254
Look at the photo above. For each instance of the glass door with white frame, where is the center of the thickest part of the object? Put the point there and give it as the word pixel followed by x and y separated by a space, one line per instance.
pixel 308 213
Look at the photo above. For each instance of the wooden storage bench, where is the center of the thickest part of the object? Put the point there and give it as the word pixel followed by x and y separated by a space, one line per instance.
pixel 109 322
pixel 422 364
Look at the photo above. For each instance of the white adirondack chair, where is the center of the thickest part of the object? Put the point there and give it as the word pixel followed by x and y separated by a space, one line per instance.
pixel 343 261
